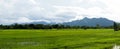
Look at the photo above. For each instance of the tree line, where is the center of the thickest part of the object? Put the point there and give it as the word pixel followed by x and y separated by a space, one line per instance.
pixel 116 26
pixel 53 26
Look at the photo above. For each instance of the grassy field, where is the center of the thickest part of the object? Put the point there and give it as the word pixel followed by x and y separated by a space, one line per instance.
pixel 59 39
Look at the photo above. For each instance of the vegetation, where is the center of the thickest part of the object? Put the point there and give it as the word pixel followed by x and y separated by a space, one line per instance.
pixel 59 39
pixel 115 26
pixel 58 36
pixel 54 26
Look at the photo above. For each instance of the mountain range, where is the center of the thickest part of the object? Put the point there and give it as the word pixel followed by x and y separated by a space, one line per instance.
pixel 84 22
pixel 91 22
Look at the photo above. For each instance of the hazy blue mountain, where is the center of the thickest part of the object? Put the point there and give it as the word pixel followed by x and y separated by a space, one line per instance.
pixel 42 22
pixel 90 22
pixel 84 22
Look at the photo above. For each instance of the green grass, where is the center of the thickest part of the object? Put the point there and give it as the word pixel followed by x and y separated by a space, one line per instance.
pixel 59 39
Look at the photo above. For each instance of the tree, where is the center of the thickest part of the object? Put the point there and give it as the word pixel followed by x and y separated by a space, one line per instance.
pixel 115 26
pixel 31 26
pixel 1 26
pixel 56 26
pixel 97 26
pixel 84 27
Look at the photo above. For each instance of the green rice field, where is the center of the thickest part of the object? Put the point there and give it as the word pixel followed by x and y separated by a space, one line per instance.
pixel 59 39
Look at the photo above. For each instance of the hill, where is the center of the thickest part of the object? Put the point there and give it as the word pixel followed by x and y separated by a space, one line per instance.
pixel 90 22
pixel 84 22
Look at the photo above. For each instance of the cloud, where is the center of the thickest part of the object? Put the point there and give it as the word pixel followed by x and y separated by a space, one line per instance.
pixel 93 11
pixel 14 11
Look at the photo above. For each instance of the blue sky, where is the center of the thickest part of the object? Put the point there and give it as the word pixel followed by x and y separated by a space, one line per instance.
pixel 22 11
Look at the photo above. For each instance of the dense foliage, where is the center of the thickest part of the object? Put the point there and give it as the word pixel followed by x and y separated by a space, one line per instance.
pixel 115 26
pixel 53 26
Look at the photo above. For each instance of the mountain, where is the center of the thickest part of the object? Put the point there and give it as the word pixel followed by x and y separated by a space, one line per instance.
pixel 90 22
pixel 84 22
pixel 42 22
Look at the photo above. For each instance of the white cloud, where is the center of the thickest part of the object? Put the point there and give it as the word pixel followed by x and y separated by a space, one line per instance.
pixel 12 11
pixel 93 11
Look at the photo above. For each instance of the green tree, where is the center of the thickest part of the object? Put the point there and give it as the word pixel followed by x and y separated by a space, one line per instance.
pixel 1 26
pixel 84 27
pixel 97 26
pixel 115 26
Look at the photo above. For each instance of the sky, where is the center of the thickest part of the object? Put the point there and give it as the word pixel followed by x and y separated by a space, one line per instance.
pixel 24 11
